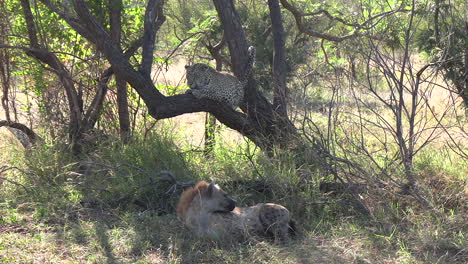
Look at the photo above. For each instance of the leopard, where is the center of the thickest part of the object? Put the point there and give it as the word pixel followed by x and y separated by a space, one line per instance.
pixel 211 213
pixel 206 82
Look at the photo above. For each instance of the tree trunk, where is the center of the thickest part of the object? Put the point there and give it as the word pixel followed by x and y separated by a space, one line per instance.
pixel 279 60
pixel 210 120
pixel 5 71
pixel 464 81
pixel 115 7
pixel 210 133
pixel 259 111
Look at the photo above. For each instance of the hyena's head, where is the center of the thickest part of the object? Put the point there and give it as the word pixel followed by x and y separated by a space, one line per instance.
pixel 207 197
pixel 215 200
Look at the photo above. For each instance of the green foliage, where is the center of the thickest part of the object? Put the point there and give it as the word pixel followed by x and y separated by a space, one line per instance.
pixel 441 162
pixel 132 19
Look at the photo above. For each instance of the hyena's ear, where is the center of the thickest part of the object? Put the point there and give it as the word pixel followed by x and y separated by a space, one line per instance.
pixel 210 189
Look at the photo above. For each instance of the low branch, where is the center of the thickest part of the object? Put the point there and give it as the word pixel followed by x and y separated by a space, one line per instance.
pixel 15 183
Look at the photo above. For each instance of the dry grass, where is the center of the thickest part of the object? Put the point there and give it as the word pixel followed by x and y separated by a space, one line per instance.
pixel 145 238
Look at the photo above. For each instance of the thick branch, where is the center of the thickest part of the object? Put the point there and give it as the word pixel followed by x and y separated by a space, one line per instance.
pixel 101 39
pixel 30 23
pixel 115 7
pixel 72 21
pixel 50 59
pixel 33 137
pixel 184 103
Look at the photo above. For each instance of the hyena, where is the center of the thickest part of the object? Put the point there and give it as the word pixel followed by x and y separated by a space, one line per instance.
pixel 210 212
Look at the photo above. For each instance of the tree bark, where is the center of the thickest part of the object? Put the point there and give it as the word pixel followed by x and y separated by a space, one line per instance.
pixel 279 60
pixel 154 18
pixel 5 71
pixel 210 120
pixel 464 81
pixel 115 7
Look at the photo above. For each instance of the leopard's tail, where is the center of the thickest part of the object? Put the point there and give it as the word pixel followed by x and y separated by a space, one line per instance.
pixel 249 66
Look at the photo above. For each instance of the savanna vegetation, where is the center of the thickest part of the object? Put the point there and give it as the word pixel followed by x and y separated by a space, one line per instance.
pixel 354 118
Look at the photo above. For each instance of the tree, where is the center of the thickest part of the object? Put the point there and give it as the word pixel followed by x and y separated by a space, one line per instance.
pixel 115 8
pixel 258 124
pixel 445 41
pixel 279 60
pixel 81 120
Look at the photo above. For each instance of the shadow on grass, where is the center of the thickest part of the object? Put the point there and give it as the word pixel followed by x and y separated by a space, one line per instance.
pixel 103 239
pixel 131 236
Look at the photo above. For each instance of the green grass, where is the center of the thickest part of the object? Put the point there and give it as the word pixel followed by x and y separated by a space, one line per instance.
pixel 112 205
